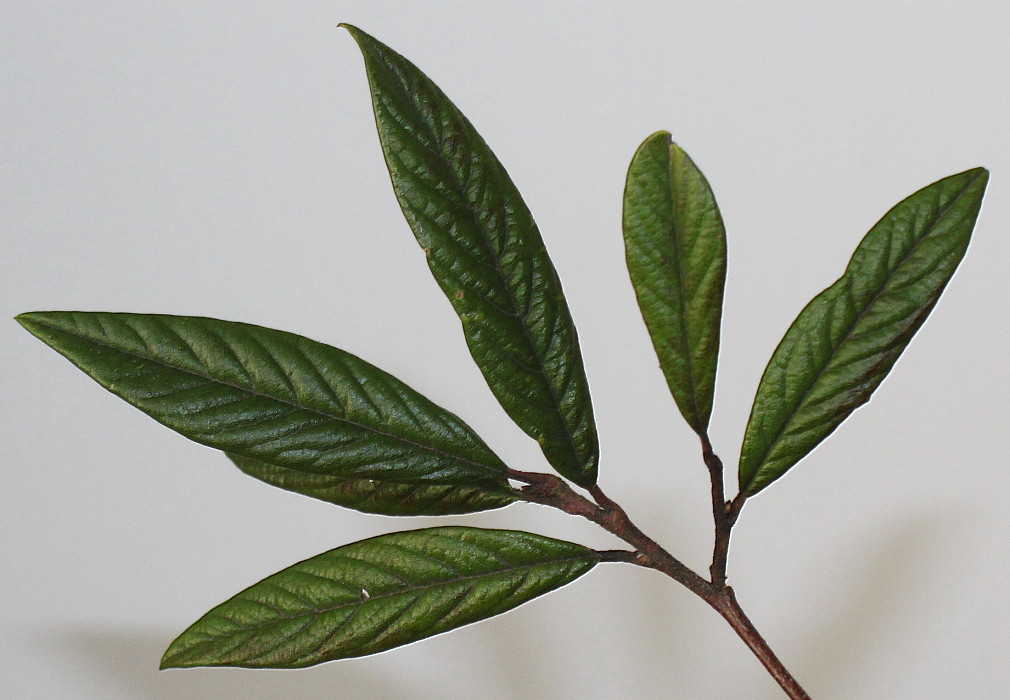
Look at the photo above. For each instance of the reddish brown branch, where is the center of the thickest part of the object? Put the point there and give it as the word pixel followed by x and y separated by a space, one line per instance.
pixel 553 491
pixel 726 605
pixel 723 515
pixel 550 490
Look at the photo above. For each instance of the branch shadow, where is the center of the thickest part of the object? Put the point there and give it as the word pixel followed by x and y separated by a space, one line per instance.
pixel 871 600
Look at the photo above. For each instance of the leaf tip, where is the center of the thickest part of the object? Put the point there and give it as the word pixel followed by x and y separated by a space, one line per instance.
pixel 175 657
pixel 167 662
pixel 355 33
pixel 978 176
pixel 42 323
pixel 658 137
pixel 29 320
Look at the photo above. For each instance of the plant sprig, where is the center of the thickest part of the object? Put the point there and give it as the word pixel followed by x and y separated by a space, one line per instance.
pixel 313 419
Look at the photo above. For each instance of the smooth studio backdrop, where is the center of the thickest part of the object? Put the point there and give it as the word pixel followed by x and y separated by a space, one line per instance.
pixel 220 159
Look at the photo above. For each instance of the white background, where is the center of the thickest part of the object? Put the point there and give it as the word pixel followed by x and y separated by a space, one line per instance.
pixel 220 159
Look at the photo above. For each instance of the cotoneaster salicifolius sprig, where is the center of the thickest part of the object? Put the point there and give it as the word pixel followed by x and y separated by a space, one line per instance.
pixel 319 421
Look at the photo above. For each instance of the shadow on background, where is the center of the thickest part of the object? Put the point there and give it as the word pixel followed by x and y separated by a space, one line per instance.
pixel 648 645
pixel 872 598
pixel 504 662
pixel 123 664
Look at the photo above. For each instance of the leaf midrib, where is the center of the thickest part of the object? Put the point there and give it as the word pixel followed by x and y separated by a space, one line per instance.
pixel 410 589
pixel 261 394
pixel 851 326
pixel 688 354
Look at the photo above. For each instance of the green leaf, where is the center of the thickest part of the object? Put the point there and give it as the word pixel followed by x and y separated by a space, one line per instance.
pixel 487 255
pixel 270 395
pixel 377 594
pixel 676 252
pixel 843 344
pixel 382 497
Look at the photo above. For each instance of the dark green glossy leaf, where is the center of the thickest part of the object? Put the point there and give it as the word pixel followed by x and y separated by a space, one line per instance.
pixel 272 396
pixel 843 344
pixel 377 594
pixel 382 497
pixel 676 252
pixel 486 254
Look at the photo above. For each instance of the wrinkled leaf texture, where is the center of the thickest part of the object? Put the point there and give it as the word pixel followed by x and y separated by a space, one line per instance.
pixel 843 344
pixel 378 594
pixel 675 245
pixel 486 254
pixel 373 496
pixel 273 396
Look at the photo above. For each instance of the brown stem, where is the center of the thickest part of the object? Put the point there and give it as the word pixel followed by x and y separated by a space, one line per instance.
pixel 723 513
pixel 714 465
pixel 550 490
pixel 725 604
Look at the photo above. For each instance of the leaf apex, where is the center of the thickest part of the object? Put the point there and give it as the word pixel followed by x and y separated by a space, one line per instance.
pixel 30 320
pixel 356 33
pixel 175 658
pixel 977 174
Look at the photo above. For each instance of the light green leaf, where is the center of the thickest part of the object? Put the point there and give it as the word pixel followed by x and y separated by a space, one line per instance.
pixel 373 496
pixel 377 594
pixel 843 344
pixel 273 396
pixel 676 253
pixel 486 254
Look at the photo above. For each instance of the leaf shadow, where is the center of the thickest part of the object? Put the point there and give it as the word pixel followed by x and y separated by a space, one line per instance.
pixel 123 664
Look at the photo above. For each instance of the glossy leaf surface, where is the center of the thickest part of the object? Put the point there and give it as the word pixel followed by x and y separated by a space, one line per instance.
pixel 271 395
pixel 675 244
pixel 377 594
pixel 486 253
pixel 373 496
pixel 843 344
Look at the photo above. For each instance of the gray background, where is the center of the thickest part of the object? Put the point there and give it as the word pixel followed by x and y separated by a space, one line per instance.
pixel 220 159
